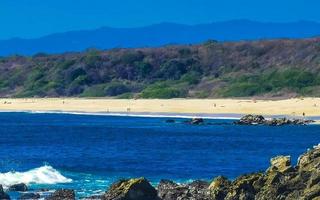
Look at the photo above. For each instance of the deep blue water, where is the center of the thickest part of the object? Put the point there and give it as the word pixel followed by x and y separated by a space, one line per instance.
pixel 93 151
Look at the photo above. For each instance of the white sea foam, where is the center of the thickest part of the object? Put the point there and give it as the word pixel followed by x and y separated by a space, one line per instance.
pixel 42 175
pixel 151 115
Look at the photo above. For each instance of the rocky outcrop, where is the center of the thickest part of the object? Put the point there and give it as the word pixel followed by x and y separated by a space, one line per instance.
pixel 260 120
pixel 168 190
pixel 218 188
pixel 280 181
pixel 3 195
pixel 131 189
pixel 21 187
pixel 62 194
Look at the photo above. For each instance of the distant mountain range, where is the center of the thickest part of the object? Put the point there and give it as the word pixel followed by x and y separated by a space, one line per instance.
pixel 158 35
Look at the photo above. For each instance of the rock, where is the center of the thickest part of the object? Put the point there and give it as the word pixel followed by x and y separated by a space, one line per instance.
pixel 62 194
pixel 168 190
pixel 251 120
pixel 131 189
pixel 21 187
pixel 219 188
pixel 29 196
pixel 245 187
pixel 3 195
pixel 260 120
pixel 310 160
pixel 196 121
pixel 280 164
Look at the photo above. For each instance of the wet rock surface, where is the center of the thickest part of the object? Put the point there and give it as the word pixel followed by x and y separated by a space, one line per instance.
pixel 29 196
pixel 3 195
pixel 62 194
pixel 168 190
pixel 131 189
pixel 260 120
pixel 21 187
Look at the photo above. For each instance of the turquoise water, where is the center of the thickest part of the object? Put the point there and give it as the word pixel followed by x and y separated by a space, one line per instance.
pixel 87 153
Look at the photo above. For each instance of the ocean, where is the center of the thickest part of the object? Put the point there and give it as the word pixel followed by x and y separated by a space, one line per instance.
pixel 89 152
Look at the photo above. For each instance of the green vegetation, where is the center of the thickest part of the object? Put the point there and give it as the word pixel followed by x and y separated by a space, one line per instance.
pixel 212 69
pixel 295 80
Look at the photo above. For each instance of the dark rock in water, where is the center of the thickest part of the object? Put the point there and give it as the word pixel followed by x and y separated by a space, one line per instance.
pixel 251 120
pixel 131 189
pixel 170 121
pixel 195 121
pixel 62 194
pixel 168 190
pixel 21 187
pixel 29 196
pixel 260 120
pixel 3 195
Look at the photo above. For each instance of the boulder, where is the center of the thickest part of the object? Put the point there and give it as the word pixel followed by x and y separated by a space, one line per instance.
pixel 310 160
pixel 245 187
pixel 20 187
pixel 62 194
pixel 197 121
pixel 168 190
pixel 219 188
pixel 131 189
pixel 3 195
pixel 251 120
pixel 280 164
pixel 29 196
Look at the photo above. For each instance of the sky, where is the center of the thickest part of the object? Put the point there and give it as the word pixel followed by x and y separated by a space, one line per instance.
pixel 34 18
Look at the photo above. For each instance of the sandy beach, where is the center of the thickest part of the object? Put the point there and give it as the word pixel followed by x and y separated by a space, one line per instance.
pixel 290 107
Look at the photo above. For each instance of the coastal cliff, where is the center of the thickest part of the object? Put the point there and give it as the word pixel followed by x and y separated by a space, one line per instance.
pixel 281 180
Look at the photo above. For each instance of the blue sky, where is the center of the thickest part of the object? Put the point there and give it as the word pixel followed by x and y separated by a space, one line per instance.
pixel 34 18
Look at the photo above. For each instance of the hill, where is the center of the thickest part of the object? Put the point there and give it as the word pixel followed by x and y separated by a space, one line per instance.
pixel 266 68
pixel 158 35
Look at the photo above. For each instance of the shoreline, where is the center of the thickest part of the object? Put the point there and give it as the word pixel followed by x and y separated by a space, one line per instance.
pixel 234 116
pixel 178 108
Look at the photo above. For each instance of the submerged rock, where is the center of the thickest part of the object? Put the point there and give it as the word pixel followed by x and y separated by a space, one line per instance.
pixel 131 189
pixel 29 196
pixel 62 194
pixel 170 121
pixel 3 195
pixel 20 187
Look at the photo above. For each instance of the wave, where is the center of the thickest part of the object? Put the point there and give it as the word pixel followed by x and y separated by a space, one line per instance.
pixel 42 175
pixel 144 114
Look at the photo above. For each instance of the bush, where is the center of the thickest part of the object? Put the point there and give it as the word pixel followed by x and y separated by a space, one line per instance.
pixel 116 88
pixel 163 91
pixel 94 91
